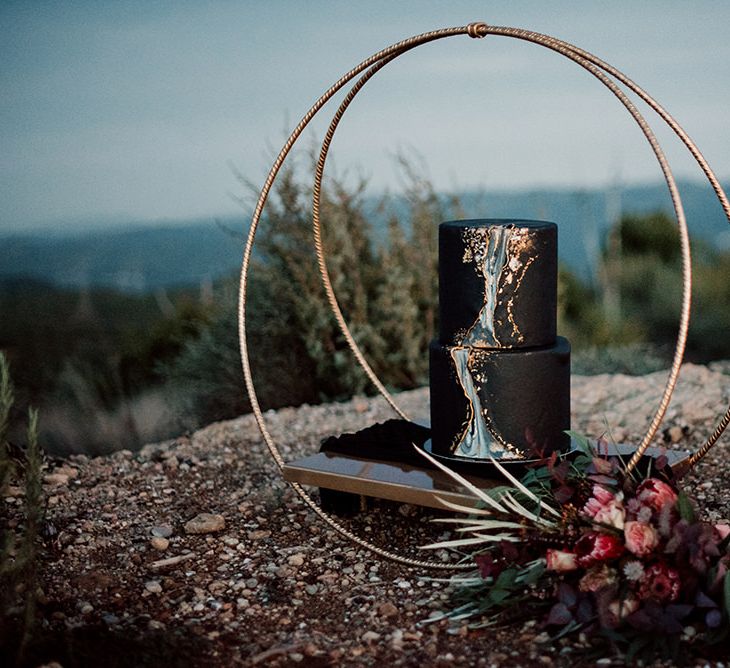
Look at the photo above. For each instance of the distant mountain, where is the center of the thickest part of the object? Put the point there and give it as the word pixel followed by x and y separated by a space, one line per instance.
pixel 132 260
pixel 146 258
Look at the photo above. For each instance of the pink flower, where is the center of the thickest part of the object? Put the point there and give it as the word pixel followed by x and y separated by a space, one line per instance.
pixel 593 547
pixel 605 507
pixel 655 493
pixel 640 538
pixel 602 495
pixel 560 561
pixel 722 531
pixel 660 583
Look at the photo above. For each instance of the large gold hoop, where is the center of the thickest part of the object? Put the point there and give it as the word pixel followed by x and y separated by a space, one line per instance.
pixel 373 64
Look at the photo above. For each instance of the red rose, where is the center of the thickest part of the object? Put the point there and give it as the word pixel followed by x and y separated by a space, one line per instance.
pixel 655 493
pixel 640 538
pixel 593 547
pixel 660 583
pixel 560 561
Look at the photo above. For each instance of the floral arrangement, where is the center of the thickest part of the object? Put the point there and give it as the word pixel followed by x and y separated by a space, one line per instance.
pixel 585 545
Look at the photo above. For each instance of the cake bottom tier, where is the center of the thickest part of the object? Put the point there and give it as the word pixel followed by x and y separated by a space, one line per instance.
pixel 507 404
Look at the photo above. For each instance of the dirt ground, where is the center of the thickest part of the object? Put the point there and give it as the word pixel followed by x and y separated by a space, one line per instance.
pixel 258 580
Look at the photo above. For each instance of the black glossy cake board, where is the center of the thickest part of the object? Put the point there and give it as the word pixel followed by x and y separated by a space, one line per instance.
pixel 384 480
pixel 409 483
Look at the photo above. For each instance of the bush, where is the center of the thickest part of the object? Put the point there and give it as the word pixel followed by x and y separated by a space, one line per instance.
pixel 387 294
pixel 648 275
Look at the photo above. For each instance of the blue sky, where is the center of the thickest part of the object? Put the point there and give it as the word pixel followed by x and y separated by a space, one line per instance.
pixel 132 111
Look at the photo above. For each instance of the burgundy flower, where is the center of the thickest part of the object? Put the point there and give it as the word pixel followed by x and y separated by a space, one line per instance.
pixel 640 538
pixel 593 547
pixel 488 565
pixel 560 561
pixel 655 493
pixel 660 583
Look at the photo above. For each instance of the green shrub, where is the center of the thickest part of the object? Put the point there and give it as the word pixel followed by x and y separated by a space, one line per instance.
pixel 19 555
pixel 387 294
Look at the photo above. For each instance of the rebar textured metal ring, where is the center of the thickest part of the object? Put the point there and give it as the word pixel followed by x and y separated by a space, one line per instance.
pixel 370 66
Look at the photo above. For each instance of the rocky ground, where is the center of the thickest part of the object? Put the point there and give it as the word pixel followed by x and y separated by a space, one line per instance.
pixel 194 552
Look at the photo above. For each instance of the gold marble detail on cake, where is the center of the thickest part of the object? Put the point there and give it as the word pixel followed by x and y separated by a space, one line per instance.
pixel 478 437
pixel 522 254
pixel 501 255
pixel 487 248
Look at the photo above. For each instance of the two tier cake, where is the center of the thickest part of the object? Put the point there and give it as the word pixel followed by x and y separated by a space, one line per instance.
pixel 500 376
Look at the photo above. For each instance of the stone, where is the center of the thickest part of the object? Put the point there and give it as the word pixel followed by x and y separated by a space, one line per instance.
pixel 162 531
pixel 370 636
pixel 153 586
pixel 674 434
pixel 56 479
pixel 387 609
pixel 360 404
pixel 159 543
pixel 296 559
pixel 60 476
pixel 205 523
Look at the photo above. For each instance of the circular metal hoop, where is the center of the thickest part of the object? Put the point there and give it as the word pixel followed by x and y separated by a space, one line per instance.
pixel 476 30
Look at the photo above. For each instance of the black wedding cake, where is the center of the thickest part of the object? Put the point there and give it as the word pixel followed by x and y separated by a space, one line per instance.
pixel 500 376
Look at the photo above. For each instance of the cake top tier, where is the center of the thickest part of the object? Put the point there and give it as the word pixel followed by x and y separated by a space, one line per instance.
pixel 498 283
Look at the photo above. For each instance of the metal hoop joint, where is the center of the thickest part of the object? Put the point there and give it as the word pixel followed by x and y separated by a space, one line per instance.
pixel 477 30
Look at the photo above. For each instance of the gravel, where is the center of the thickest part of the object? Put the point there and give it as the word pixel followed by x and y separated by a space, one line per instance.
pixel 195 552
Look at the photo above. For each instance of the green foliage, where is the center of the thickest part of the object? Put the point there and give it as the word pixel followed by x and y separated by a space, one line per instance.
pixel 387 295
pixel 628 322
pixel 19 546
pixel 7 399
pixel 648 275
pixel 90 360
pixel 654 234
pixel 204 381
pixel 685 508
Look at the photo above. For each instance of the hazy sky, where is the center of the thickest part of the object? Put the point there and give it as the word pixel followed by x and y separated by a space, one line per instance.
pixel 134 110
